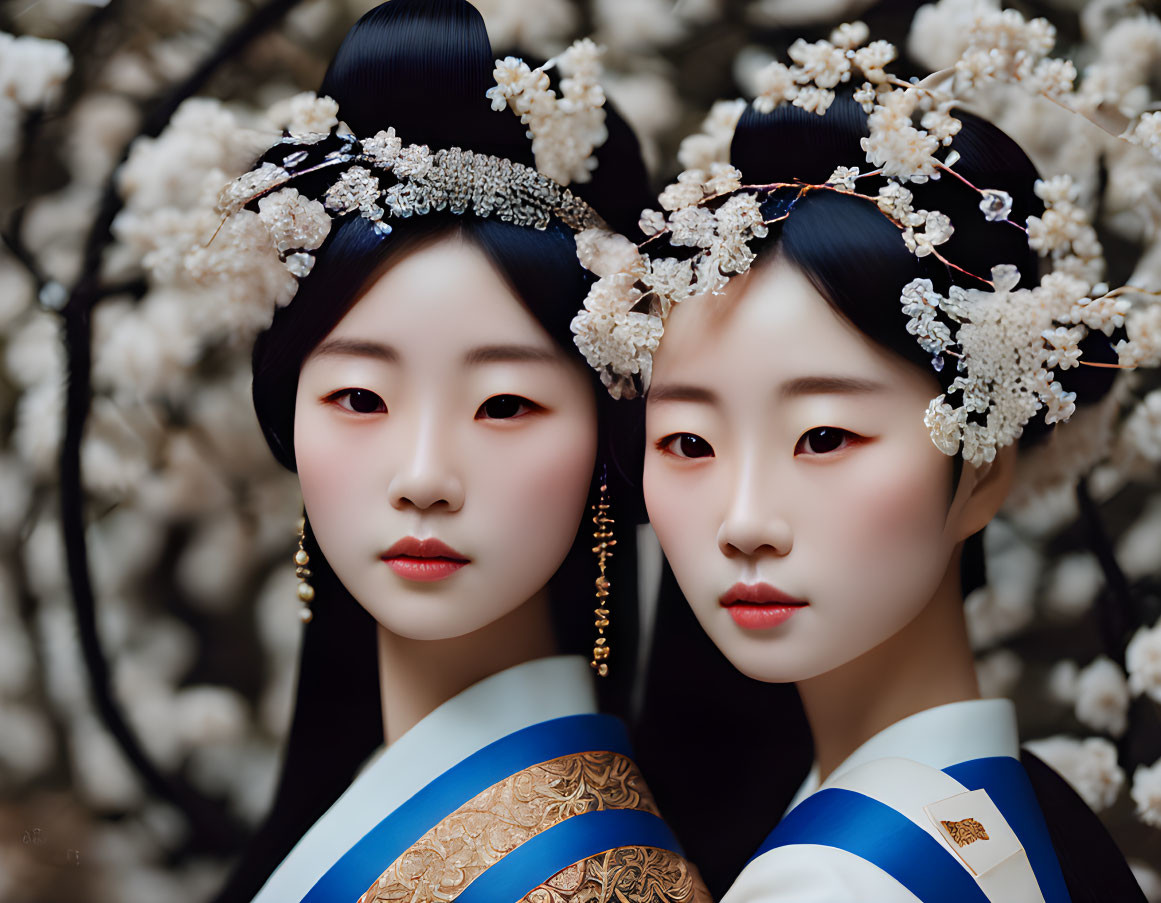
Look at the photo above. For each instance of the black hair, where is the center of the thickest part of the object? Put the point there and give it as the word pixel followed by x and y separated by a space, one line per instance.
pixel 857 260
pixel 423 67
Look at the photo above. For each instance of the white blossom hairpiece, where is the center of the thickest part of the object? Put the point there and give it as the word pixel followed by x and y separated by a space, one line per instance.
pixel 1008 344
pixel 565 131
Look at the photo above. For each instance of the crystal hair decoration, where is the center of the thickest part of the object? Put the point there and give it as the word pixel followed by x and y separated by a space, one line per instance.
pixel 381 178
pixel 1008 344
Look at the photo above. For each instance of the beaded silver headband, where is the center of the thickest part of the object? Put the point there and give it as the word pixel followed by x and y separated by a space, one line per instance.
pixel 565 131
pixel 1008 344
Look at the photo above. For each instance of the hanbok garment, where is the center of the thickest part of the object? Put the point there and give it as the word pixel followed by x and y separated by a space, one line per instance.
pixel 935 808
pixel 513 790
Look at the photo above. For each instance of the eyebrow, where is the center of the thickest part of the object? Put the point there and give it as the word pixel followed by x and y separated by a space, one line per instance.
pixel 507 354
pixel 794 388
pixel 680 392
pixel 828 385
pixel 485 354
pixel 357 348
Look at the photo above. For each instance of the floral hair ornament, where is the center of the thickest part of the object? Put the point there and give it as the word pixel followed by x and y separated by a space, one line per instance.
pixel 1008 344
pixel 381 178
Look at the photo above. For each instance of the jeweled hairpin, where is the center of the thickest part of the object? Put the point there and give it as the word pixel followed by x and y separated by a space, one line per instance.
pixel 381 178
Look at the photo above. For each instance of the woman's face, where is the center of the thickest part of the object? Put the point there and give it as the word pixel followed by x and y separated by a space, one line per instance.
pixel 791 480
pixel 445 446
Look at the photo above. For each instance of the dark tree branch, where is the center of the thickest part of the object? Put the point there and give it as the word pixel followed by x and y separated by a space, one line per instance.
pixel 1116 609
pixel 212 828
pixel 15 245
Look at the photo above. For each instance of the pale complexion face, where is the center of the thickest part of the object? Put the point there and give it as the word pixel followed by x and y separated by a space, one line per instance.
pixel 439 410
pixel 787 461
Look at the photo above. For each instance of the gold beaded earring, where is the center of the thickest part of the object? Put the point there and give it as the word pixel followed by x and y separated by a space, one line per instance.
pixel 603 534
pixel 302 572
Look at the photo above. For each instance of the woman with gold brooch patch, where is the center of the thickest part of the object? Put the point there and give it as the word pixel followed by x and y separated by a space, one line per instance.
pixel 450 444
pixel 851 352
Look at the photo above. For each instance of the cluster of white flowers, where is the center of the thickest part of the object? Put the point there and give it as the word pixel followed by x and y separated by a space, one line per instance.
pixel 999 673
pixel 1143 660
pixel 1009 344
pixel 1006 604
pixel 784 13
pixel 1102 697
pixel 565 130
pixel 649 102
pixel 304 115
pixel 1073 585
pixel 1142 430
pixel 541 27
pixel 1146 793
pixel 289 227
pixel 622 320
pixel 1119 76
pixel 32 71
pixel 712 143
pixel 638 24
pixel 1089 765
pixel 201 290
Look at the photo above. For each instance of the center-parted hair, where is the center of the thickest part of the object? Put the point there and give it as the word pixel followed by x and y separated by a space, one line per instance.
pixel 422 67
pixel 751 747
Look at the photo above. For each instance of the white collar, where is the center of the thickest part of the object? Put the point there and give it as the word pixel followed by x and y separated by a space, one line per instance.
pixel 939 737
pixel 487 711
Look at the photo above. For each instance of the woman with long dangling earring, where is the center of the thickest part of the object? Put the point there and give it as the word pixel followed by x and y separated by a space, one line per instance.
pixel 448 439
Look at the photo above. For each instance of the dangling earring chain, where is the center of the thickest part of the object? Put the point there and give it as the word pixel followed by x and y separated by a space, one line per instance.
pixel 604 542
pixel 302 572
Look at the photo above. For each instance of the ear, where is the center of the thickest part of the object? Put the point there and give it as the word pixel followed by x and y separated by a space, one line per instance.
pixel 981 493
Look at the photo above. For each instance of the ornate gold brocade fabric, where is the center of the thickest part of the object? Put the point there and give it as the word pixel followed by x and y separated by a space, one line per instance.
pixel 445 860
pixel 624 875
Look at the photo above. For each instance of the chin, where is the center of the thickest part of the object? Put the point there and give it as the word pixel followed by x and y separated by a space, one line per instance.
pixel 767 672
pixel 772 663
pixel 423 619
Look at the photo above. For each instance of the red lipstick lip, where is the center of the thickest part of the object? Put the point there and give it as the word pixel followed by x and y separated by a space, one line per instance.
pixel 757 594
pixel 410 547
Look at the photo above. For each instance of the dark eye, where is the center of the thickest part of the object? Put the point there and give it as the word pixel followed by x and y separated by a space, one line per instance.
pixel 686 445
pixel 823 440
pixel 505 407
pixel 361 401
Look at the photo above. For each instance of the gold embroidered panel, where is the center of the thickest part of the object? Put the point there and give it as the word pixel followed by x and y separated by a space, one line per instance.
pixel 446 859
pixel 624 875
pixel 964 832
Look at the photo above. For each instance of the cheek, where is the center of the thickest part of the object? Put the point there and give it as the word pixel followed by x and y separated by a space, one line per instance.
pixel 684 509
pixel 536 486
pixel 329 464
pixel 889 519
pixel 661 503
pixel 903 501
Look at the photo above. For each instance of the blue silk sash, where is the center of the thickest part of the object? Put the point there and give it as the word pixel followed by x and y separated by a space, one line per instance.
pixel 847 820
pixel 528 865
pixel 1006 782
pixel 539 858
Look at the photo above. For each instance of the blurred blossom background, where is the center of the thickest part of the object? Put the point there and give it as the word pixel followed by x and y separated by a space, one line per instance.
pixel 148 615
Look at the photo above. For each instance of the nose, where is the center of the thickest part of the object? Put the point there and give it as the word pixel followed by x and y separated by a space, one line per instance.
pixel 427 476
pixel 753 524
